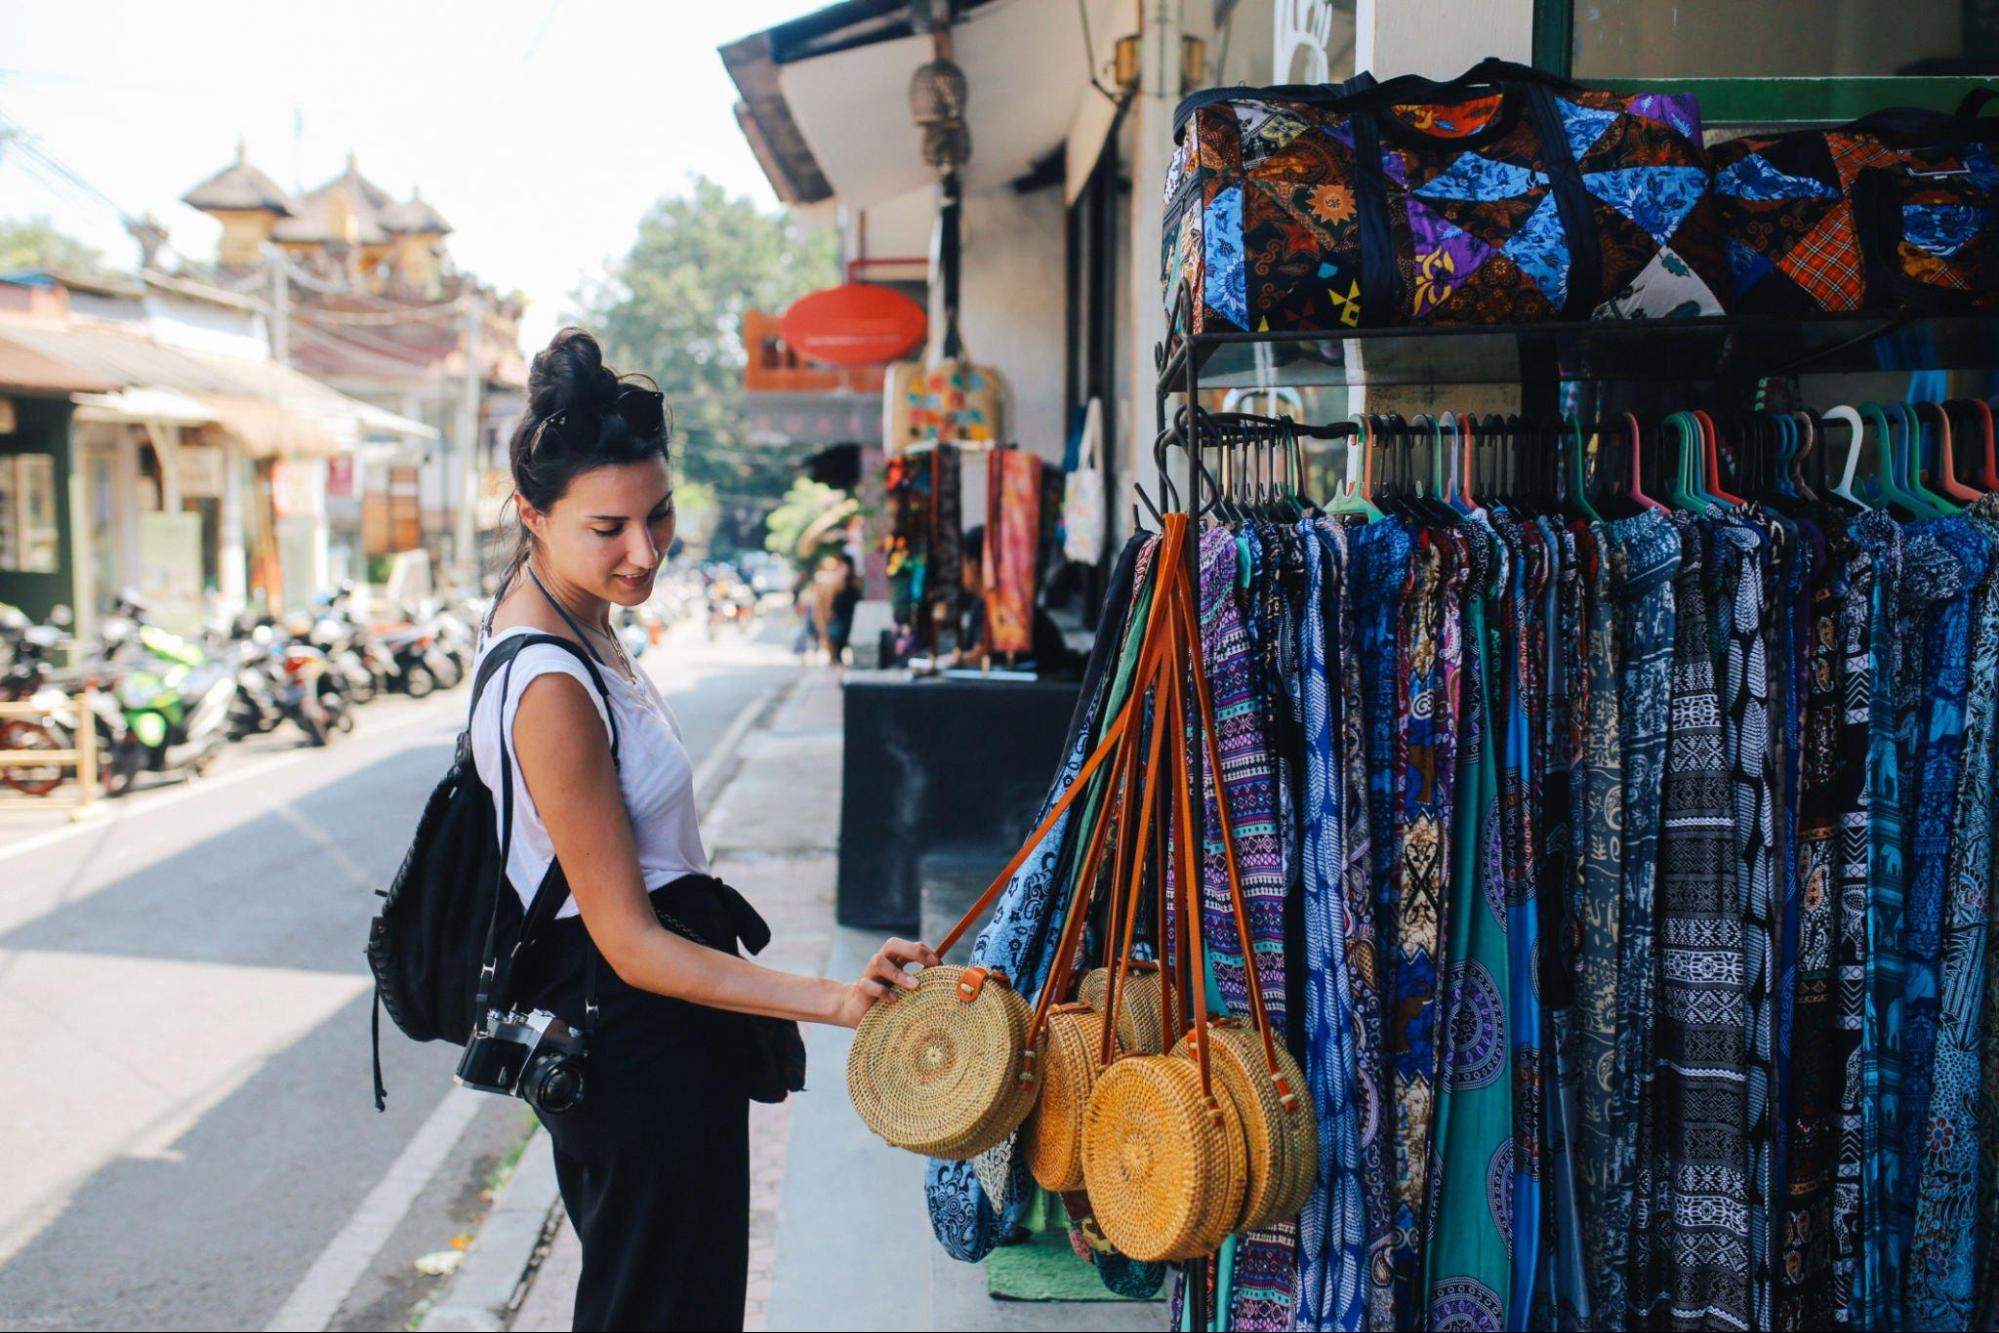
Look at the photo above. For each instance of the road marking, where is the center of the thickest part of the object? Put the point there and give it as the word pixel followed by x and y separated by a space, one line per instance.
pixel 731 737
pixel 320 1293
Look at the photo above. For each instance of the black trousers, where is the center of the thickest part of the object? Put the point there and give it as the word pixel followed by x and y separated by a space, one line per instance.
pixel 654 1165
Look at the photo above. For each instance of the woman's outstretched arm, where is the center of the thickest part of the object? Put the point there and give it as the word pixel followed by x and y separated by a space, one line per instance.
pixel 567 766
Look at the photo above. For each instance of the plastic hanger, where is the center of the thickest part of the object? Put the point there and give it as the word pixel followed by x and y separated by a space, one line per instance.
pixel 1710 472
pixel 1685 492
pixel 1911 455
pixel 1468 462
pixel 1887 481
pixel 1943 477
pixel 1578 480
pixel 1850 470
pixel 1981 414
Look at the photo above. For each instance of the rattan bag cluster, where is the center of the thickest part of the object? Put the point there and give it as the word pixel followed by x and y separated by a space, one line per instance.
pixel 954 1066
pixel 1183 1149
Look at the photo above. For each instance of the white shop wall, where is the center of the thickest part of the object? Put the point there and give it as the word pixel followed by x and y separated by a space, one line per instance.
pixel 1010 308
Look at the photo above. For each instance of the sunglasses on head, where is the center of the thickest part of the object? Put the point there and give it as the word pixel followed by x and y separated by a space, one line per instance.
pixel 643 411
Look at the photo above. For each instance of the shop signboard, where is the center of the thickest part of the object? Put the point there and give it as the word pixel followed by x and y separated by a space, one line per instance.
pixel 854 324
pixel 298 560
pixel 170 569
pixel 198 467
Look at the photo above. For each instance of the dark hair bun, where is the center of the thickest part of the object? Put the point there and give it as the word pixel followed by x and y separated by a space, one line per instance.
pixel 570 373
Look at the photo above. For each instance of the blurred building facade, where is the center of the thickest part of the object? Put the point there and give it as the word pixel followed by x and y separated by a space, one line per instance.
pixel 364 296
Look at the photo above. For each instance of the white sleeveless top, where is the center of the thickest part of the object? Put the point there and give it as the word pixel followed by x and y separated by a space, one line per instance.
pixel 654 772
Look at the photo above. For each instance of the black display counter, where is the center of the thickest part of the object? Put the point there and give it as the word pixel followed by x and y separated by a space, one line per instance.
pixel 934 764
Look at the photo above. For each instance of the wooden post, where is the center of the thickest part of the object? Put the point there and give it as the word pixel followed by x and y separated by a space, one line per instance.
pixel 86 753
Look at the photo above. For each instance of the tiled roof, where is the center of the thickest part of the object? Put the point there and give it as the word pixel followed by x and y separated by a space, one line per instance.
pixel 414 217
pixel 239 187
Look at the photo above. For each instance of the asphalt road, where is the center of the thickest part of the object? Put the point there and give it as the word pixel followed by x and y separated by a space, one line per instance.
pixel 185 1067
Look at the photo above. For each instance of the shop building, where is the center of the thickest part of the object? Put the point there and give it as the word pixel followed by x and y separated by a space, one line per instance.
pixel 1069 107
pixel 183 461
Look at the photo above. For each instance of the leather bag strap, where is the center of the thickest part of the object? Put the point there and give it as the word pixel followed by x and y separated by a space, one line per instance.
pixel 1170 544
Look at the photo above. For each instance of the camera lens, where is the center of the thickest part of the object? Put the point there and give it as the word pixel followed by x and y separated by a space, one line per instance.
pixel 557 1085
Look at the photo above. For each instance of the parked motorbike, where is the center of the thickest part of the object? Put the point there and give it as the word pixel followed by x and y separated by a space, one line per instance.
pixel 255 709
pixel 368 668
pixel 173 698
pixel 310 691
pixel 28 672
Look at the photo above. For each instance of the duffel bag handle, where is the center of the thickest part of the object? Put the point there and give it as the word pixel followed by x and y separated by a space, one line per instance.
pixel 1491 72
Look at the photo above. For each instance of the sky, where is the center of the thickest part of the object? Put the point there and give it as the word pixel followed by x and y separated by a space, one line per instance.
pixel 541 130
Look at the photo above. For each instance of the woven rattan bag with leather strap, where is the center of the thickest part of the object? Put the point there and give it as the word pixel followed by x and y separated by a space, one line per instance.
pixel 1079 1040
pixel 949 1068
pixel 1165 1161
pixel 1257 1072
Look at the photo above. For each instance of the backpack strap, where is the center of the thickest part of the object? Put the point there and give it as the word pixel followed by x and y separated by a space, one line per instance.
pixel 496 971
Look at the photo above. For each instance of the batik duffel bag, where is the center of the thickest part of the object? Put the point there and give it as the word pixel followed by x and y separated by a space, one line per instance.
pixel 1504 196
pixel 1898 211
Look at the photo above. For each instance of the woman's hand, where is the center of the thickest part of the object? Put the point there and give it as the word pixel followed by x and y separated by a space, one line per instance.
pixel 883 976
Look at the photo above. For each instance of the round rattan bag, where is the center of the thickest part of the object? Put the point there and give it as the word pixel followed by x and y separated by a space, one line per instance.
pixel 1283 1144
pixel 937 1071
pixel 1165 1174
pixel 1068 1073
pixel 1139 1030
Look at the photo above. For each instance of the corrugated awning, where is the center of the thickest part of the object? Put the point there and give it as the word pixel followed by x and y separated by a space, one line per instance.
pixel 26 371
pixel 271 409
pixel 163 406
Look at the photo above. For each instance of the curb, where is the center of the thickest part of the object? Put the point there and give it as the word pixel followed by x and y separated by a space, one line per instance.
pixel 496 1271
pixel 487 1290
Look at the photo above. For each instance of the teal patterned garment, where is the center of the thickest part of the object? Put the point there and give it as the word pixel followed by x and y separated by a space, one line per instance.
pixel 1517 671
pixel 1651 551
pixel 1941 1136
pixel 1468 1264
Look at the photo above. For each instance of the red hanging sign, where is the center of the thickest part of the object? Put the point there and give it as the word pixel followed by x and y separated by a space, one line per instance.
pixel 854 324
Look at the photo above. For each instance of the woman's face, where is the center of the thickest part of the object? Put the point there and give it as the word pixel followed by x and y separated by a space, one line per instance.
pixel 608 533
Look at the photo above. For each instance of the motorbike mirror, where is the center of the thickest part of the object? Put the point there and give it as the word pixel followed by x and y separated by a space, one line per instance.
pixel 60 614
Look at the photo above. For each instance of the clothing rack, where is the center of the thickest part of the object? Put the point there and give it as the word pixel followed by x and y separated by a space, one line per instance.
pixel 1719 359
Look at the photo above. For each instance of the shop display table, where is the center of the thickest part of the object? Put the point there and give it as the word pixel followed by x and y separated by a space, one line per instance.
pixel 938 764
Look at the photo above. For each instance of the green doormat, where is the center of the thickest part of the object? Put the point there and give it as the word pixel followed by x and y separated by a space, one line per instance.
pixel 1043 1269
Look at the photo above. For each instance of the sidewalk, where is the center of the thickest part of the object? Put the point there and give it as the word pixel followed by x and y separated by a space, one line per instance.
pixel 839 1238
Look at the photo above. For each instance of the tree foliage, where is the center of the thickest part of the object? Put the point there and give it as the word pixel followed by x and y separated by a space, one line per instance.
pixel 34 243
pixel 804 504
pixel 672 307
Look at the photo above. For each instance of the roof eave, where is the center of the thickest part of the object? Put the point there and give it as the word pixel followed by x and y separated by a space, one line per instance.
pixel 766 121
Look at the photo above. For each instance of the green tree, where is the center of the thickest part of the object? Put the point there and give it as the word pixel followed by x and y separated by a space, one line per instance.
pixel 35 243
pixel 673 307
pixel 805 504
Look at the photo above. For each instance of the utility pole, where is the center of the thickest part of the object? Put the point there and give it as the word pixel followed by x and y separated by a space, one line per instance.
pixel 281 306
pixel 468 449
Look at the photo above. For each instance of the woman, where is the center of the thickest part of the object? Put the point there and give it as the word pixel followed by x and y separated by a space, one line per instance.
pixel 654 1163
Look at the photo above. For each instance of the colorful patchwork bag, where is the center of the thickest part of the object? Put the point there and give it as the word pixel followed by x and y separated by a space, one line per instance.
pixel 1898 211
pixel 1504 196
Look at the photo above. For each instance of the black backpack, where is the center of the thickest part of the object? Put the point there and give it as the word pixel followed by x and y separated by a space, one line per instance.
pixel 450 912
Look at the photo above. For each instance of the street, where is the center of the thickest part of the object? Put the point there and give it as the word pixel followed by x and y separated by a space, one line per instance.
pixel 187 1010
